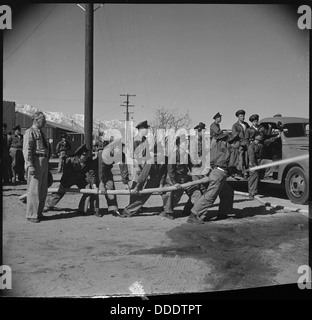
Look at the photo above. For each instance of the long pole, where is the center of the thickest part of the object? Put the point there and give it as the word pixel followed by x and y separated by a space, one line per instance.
pixel 88 107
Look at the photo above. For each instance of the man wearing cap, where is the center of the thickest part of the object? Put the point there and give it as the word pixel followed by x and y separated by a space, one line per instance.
pixel 215 129
pixel 62 149
pixel 16 153
pixel 254 156
pixel 78 170
pixel 239 130
pixel 199 155
pixel 5 158
pixel 36 151
pixel 140 152
pixel 153 175
pixel 217 186
pixel 112 153
pixel 254 128
pixel 178 172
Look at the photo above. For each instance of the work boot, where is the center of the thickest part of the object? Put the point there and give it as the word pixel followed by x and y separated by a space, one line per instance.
pixel 125 215
pixel 193 218
pixel 97 213
pixel 115 213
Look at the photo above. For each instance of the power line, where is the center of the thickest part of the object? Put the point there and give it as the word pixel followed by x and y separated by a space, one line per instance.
pixel 30 33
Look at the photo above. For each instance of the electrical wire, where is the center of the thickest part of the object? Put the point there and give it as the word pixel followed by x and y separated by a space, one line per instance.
pixel 49 13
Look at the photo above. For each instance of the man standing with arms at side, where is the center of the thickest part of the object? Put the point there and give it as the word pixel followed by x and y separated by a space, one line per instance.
pixel 36 153
pixel 62 149
pixel 215 129
pixel 239 131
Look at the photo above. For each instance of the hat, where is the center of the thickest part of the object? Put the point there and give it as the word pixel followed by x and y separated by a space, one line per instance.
pixel 63 135
pixel 221 136
pixel 81 150
pixel 254 117
pixel 218 115
pixel 18 127
pixel 143 125
pixel 200 126
pixel 240 112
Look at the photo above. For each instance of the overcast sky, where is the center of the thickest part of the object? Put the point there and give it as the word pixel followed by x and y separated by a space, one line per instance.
pixel 203 58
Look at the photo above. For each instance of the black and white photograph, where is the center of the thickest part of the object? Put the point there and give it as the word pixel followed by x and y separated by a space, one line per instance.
pixel 154 149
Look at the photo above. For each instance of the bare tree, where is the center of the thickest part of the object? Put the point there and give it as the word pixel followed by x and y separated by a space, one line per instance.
pixel 170 119
pixel 167 123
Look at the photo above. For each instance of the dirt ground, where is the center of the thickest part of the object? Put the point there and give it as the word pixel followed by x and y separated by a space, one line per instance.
pixel 74 255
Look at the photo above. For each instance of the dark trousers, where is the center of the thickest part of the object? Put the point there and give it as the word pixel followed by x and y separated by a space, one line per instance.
pixel 242 158
pixel 55 198
pixel 111 199
pixel 137 200
pixel 171 199
pixel 253 181
pixel 217 187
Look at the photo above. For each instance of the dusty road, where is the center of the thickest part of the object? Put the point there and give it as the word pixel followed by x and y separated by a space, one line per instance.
pixel 72 255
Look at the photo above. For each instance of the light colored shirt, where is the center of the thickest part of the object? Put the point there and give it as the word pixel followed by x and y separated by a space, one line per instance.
pixel 34 143
pixel 243 125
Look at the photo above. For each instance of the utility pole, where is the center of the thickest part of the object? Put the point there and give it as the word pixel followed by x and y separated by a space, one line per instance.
pixel 88 107
pixel 127 105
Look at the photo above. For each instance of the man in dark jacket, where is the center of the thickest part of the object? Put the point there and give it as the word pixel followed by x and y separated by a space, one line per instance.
pixel 178 172
pixel 62 149
pixel 152 175
pixel 215 129
pixel 112 153
pixel 79 170
pixel 217 186
pixel 239 131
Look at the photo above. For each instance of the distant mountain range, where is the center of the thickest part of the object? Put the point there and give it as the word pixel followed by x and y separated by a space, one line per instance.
pixel 74 122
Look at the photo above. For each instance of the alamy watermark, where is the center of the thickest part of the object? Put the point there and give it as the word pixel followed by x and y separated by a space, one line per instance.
pixel 5 17
pixel 5 277
pixel 304 281
pixel 304 21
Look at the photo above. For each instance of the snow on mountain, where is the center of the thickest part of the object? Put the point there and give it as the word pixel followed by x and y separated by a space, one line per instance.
pixel 75 121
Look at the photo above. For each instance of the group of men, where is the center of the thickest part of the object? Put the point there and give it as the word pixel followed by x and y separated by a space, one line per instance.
pixel 12 154
pixel 190 159
pixel 249 146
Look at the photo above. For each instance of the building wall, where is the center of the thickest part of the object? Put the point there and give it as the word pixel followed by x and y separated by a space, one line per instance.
pixel 53 133
pixel 8 113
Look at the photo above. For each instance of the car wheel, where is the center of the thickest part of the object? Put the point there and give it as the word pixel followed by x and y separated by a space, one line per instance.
pixel 297 185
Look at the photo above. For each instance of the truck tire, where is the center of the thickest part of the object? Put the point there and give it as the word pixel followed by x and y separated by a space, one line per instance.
pixel 297 185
